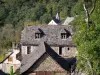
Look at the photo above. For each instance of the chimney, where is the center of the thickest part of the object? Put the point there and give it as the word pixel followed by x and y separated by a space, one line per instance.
pixel 13 45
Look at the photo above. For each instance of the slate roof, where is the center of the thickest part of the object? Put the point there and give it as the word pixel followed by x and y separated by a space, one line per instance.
pixel 30 60
pixel 51 34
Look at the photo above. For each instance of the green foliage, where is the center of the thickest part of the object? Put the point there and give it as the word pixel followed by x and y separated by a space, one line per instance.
pixel 11 70
pixel 2 57
pixel 20 12
pixel 16 12
pixel 45 18
pixel 87 41
pixel 6 38
pixel 78 8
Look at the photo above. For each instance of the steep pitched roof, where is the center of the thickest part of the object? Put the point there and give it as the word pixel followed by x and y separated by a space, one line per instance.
pixel 30 60
pixel 68 20
pixel 52 22
pixel 51 35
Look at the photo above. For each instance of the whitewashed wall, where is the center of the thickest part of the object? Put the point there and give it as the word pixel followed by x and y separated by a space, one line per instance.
pixel 1 66
pixel 24 50
pixel 33 48
pixel 14 62
pixel 7 66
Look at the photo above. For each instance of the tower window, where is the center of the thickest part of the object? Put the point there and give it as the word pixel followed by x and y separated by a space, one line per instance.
pixel 37 35
pixel 63 35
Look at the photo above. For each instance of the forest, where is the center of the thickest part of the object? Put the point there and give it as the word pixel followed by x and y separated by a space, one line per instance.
pixel 15 14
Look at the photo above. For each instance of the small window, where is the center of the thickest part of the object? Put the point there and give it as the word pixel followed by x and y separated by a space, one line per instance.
pixel 63 35
pixel 10 59
pixel 68 48
pixel 28 50
pixel 37 35
pixel 60 50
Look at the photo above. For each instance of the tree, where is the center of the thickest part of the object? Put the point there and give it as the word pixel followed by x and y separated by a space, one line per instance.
pixel 88 42
pixel 6 37
pixel 88 11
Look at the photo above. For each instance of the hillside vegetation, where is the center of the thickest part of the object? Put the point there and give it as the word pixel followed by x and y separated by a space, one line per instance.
pixel 14 14
pixel 87 38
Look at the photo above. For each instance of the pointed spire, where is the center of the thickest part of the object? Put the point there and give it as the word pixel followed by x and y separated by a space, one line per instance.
pixel 55 20
pixel 58 16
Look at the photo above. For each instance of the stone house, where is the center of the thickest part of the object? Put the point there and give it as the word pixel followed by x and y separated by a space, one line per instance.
pixel 47 50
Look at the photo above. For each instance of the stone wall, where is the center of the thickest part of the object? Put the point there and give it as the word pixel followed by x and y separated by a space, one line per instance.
pixel 50 67
pixel 66 51
pixel 23 50
pixel 70 52
pixel 33 48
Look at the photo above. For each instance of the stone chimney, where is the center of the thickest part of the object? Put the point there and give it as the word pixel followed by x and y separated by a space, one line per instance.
pixel 13 45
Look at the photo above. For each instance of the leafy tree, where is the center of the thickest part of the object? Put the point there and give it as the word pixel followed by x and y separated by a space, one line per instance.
pixel 6 37
pixel 87 41
pixel 45 18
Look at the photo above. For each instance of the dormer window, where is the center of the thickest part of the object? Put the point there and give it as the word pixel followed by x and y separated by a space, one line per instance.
pixel 63 35
pixel 37 35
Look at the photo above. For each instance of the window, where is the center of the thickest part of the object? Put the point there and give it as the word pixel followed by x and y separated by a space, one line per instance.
pixel 68 48
pixel 28 50
pixel 37 35
pixel 63 35
pixel 60 50
pixel 10 59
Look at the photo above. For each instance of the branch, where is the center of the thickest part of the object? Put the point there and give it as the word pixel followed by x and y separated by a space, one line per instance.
pixel 87 14
pixel 89 64
pixel 94 5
